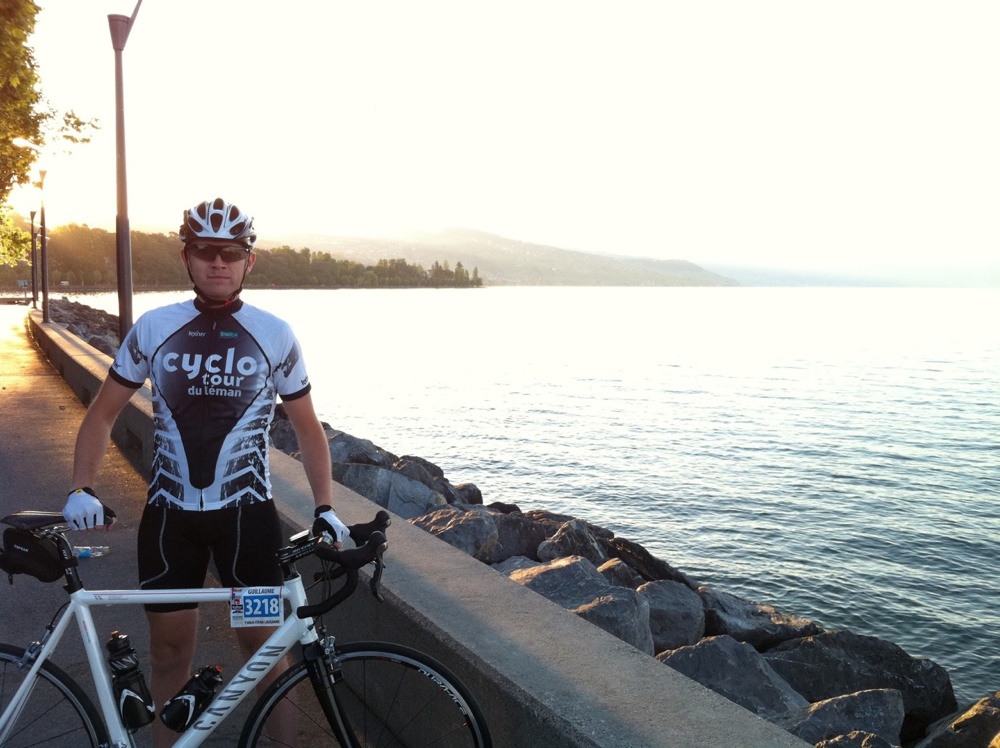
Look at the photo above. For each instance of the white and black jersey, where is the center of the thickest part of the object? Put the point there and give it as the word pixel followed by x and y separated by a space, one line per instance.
pixel 215 377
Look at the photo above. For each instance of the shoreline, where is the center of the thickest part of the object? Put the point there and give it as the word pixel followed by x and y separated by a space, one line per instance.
pixel 89 322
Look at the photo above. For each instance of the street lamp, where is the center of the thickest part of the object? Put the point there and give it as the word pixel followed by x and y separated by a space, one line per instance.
pixel 120 27
pixel 24 143
pixel 45 247
pixel 34 265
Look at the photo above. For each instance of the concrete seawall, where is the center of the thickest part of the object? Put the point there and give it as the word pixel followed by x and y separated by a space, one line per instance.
pixel 543 676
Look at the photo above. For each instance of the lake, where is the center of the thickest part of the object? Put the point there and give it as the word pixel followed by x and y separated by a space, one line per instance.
pixel 832 452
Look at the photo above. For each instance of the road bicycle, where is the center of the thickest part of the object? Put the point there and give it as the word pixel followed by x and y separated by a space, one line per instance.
pixel 356 695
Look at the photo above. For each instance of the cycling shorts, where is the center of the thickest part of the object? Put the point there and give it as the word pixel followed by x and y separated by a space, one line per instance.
pixel 175 546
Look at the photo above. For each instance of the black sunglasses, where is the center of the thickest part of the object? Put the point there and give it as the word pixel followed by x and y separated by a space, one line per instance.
pixel 208 252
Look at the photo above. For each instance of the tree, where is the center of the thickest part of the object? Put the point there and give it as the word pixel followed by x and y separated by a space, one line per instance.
pixel 24 113
pixel 15 243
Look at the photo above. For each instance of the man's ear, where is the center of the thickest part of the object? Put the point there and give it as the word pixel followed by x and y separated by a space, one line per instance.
pixel 251 260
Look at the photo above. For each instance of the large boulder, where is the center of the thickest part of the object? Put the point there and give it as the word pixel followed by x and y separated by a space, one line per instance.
pixel 842 662
pixel 514 563
pixel 623 613
pixel 518 534
pixel 577 585
pixel 857 739
pixel 394 491
pixel 758 625
pixel 573 538
pixel 877 712
pixel 432 476
pixel 976 727
pixel 620 574
pixel 738 672
pixel 345 448
pixel 676 615
pixel 470 529
pixel 645 563
pixel 552 521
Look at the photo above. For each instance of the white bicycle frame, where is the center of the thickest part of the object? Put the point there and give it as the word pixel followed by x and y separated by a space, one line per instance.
pixel 280 642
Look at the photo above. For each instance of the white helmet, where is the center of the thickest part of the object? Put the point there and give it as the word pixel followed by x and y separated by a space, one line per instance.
pixel 217 219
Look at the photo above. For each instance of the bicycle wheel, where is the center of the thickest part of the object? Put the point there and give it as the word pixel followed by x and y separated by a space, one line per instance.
pixel 390 696
pixel 57 713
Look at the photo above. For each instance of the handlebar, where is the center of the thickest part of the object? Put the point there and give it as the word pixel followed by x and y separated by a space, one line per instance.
pixel 371 541
pixel 369 536
pixel 348 563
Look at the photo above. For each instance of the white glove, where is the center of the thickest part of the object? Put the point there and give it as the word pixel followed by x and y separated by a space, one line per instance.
pixel 328 522
pixel 83 509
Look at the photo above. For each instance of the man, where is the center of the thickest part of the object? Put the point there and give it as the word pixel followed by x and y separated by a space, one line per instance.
pixel 216 366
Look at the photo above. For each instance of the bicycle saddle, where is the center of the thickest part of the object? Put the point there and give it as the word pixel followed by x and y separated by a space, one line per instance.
pixel 33 520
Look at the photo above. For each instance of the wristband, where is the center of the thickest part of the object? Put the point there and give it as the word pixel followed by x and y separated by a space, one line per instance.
pixel 320 509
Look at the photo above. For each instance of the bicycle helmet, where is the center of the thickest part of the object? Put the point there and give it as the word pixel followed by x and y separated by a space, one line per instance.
pixel 217 219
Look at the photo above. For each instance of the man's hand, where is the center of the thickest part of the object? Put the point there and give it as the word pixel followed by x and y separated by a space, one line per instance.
pixel 84 511
pixel 328 522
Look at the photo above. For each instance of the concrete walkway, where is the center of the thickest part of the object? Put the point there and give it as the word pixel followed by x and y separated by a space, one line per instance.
pixel 39 418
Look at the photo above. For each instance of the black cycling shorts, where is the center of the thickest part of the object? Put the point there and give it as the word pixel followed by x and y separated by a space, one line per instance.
pixel 176 544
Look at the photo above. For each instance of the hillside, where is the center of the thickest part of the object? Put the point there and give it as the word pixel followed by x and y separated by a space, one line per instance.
pixel 502 261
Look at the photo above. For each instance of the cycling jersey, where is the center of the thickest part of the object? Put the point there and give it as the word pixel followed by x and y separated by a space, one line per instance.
pixel 215 376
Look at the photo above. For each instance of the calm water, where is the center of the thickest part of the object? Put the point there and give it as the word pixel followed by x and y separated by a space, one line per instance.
pixel 831 452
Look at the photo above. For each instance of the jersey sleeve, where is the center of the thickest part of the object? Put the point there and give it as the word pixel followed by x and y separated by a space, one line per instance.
pixel 291 379
pixel 131 365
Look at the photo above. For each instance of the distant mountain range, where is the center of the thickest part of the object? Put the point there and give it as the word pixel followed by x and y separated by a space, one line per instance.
pixel 502 261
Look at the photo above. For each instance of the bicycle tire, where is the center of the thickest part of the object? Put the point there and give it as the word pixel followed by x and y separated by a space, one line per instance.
pixel 58 712
pixel 389 696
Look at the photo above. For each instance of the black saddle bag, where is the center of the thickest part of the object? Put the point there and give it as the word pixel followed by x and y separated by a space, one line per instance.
pixel 25 553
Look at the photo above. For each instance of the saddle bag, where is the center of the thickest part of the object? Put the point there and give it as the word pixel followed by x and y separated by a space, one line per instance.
pixel 25 553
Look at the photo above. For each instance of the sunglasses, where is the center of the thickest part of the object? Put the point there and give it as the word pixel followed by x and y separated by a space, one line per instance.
pixel 208 252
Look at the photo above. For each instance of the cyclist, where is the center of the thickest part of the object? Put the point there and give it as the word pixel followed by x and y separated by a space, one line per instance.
pixel 216 366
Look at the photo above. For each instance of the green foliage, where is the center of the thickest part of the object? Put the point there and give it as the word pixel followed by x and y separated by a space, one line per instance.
pixel 20 99
pixel 85 257
pixel 15 243
pixel 24 112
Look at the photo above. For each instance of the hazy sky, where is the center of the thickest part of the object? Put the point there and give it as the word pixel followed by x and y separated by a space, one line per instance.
pixel 798 133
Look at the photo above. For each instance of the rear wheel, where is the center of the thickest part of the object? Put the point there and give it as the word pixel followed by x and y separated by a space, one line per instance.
pixel 57 712
pixel 389 696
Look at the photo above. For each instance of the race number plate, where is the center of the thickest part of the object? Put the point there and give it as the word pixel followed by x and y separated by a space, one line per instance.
pixel 256 606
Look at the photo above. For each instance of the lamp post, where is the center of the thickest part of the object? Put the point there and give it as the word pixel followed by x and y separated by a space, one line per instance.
pixel 45 248
pixel 25 143
pixel 34 265
pixel 120 27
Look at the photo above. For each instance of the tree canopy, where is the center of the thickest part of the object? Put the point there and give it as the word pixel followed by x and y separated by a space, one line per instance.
pixel 24 113
pixel 84 259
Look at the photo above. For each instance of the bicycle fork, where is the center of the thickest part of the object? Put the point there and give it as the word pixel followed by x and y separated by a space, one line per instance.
pixel 324 671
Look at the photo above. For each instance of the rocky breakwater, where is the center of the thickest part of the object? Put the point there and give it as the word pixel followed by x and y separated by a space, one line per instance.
pixel 830 688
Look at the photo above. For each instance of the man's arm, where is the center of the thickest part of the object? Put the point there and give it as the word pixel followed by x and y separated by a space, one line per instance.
pixel 315 451
pixel 313 446
pixel 95 431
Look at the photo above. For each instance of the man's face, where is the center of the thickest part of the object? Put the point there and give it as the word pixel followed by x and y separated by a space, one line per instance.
pixel 217 266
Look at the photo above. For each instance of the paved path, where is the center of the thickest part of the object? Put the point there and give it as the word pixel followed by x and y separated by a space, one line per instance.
pixel 39 418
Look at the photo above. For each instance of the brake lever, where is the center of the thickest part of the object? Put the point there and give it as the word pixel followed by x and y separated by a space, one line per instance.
pixel 376 580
